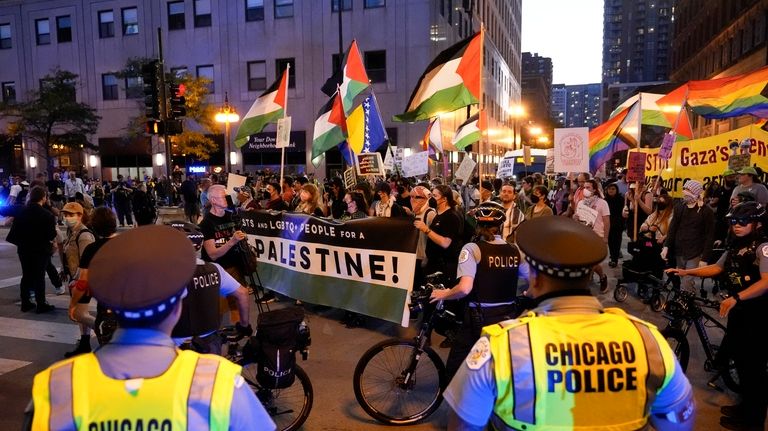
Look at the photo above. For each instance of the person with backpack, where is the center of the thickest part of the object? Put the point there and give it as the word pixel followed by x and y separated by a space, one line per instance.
pixel 78 236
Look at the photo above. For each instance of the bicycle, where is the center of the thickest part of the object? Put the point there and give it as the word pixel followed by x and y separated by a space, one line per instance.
pixel 685 310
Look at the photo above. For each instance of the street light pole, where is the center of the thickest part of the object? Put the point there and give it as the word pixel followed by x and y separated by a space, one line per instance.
pixel 227 115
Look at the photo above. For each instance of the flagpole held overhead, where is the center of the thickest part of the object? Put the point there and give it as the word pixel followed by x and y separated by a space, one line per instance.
pixel 287 74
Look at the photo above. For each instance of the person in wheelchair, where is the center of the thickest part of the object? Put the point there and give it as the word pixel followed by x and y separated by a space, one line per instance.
pixel 488 272
pixel 745 264
pixel 200 318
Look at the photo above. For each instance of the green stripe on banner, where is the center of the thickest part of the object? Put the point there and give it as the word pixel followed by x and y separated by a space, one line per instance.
pixel 369 299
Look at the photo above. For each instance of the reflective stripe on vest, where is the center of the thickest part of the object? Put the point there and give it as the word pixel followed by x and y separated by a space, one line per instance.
pixel 574 371
pixel 185 396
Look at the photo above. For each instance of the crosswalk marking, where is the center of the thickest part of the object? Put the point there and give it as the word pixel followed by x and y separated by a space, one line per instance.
pixel 52 332
pixel 10 281
pixel 8 365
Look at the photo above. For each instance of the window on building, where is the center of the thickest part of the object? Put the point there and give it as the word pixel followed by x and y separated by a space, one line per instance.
pixel 109 86
pixel 206 71
pixel 176 15
pixel 283 8
pixel 5 36
pixel 280 65
pixel 43 31
pixel 257 75
pixel 369 4
pixel 254 10
pixel 9 92
pixel 376 65
pixel 130 17
pixel 134 87
pixel 179 72
pixel 345 5
pixel 63 29
pixel 106 24
pixel 202 13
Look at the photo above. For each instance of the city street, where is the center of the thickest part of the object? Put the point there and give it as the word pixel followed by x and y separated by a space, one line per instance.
pixel 30 342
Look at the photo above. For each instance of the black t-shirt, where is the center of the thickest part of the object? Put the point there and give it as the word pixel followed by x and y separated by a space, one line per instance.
pixel 447 224
pixel 90 251
pixel 55 188
pixel 220 230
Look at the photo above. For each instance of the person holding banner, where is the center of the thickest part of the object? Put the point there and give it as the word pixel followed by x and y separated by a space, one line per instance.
pixel 385 206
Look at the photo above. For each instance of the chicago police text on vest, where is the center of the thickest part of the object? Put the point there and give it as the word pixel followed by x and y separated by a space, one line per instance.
pixel 591 367
pixel 131 425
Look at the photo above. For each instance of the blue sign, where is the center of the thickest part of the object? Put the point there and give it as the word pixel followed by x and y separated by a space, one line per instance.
pixel 197 169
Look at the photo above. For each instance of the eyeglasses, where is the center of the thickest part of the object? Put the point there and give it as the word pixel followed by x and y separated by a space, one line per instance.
pixel 739 221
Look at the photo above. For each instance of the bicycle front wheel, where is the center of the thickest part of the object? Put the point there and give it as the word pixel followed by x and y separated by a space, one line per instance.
pixel 679 344
pixel 288 407
pixel 386 390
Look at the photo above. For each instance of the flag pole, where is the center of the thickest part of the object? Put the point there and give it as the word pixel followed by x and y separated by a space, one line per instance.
pixel 285 115
pixel 480 103
pixel 637 149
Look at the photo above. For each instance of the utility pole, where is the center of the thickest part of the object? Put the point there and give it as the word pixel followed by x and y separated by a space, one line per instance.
pixel 164 107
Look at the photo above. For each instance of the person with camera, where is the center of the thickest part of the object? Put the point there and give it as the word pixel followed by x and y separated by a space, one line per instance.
pixel 745 264
pixel 488 271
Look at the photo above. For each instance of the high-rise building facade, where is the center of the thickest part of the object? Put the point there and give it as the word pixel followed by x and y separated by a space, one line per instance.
pixel 537 86
pixel 576 105
pixel 242 46
pixel 558 104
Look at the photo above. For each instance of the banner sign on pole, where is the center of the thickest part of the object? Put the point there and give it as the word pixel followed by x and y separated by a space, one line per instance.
pixel 665 152
pixel 550 164
pixel 357 265
pixel 572 149
pixel 350 180
pixel 465 169
pixel 370 164
pixel 527 159
pixel 635 166
pixel 283 132
pixel 505 168
pixel 416 164
pixel 389 159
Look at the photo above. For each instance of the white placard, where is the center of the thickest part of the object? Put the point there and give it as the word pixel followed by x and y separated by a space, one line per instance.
pixel 465 169
pixel 550 165
pixel 283 132
pixel 572 149
pixel 234 180
pixel 389 160
pixel 505 168
pixel 399 154
pixel 416 164
pixel 586 215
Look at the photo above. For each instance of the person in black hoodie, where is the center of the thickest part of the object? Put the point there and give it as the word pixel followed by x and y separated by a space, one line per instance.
pixel 616 203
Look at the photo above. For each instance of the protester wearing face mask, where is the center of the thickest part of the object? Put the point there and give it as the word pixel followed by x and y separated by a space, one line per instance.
pixel 691 232
pixel 594 212
pixel 658 222
pixel 540 207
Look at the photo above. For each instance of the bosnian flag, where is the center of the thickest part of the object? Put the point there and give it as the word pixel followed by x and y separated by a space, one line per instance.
pixel 470 131
pixel 268 108
pixel 330 127
pixel 351 78
pixel 451 81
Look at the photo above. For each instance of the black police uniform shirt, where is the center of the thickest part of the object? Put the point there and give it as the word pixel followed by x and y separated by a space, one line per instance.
pixel 495 267
pixel 744 265
pixel 220 230
pixel 200 308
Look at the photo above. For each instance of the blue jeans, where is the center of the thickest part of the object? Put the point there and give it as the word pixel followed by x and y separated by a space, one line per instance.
pixel 687 282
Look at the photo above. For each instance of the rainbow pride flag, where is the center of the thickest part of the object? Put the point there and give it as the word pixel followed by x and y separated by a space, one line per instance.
pixel 734 96
pixel 604 141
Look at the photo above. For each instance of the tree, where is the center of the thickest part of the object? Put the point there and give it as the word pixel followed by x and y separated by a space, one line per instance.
pixel 53 116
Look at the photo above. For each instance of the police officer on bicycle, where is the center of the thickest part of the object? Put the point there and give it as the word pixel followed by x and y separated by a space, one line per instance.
pixel 487 274
pixel 569 363
pixel 141 380
pixel 745 266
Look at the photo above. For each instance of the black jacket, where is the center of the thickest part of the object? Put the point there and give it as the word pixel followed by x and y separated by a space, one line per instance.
pixel 33 229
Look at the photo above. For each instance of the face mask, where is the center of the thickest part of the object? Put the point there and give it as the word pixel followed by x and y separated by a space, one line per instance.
pixel 534 199
pixel 662 205
pixel 70 221
pixel 587 193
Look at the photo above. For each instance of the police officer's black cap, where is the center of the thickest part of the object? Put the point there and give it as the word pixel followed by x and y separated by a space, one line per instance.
pixel 143 272
pixel 560 247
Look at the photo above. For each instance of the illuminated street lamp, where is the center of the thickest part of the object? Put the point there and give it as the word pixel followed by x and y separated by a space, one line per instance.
pixel 227 115
pixel 93 161
pixel 516 112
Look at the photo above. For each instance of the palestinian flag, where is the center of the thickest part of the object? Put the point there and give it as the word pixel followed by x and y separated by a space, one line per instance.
pixel 351 78
pixel 268 108
pixel 470 132
pixel 451 81
pixel 330 127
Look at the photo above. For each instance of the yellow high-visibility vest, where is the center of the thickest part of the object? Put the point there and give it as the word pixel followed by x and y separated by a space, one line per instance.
pixel 194 393
pixel 577 371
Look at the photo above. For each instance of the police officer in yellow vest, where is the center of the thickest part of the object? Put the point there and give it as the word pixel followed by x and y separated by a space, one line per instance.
pixel 141 380
pixel 569 363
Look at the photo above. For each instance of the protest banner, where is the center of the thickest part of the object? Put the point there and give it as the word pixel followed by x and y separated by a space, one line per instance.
pixel 505 168
pixel 465 169
pixel 737 162
pixel 357 265
pixel 572 149
pixel 704 159
pixel 370 164
pixel 416 164
pixel 635 166
pixel 349 178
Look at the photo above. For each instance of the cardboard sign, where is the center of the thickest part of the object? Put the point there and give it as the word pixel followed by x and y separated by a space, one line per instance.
pixel 635 166
pixel 665 152
pixel 505 168
pixel 586 215
pixel 283 132
pixel 416 164
pixel 572 149
pixel 550 164
pixel 370 164
pixel 234 180
pixel 465 169
pixel 389 159
pixel 527 155
pixel 350 180
pixel 737 162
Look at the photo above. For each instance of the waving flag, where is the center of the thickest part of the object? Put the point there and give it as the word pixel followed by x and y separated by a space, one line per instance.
pixel 351 78
pixel 365 127
pixel 330 127
pixel 604 141
pixel 470 131
pixel 268 108
pixel 433 139
pixel 451 81
pixel 655 116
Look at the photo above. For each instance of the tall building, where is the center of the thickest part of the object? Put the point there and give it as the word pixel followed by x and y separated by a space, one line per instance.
pixel 576 105
pixel 242 46
pixel 637 38
pixel 537 86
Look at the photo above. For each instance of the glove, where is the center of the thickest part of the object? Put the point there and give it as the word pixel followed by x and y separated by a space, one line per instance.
pixel 245 331
pixel 664 252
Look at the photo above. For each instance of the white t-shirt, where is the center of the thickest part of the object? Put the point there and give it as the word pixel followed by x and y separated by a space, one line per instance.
pixel 15 190
pixel 591 212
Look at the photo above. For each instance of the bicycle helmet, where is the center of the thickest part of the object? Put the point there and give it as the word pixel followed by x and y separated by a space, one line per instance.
pixel 191 230
pixel 747 212
pixel 489 214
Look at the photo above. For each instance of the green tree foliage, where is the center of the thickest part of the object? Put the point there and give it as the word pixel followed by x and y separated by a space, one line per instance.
pixel 52 115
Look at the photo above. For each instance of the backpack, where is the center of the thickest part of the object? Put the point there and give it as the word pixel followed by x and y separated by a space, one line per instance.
pixel 279 335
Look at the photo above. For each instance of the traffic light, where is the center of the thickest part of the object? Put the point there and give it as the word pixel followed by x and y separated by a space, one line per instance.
pixel 178 101
pixel 173 127
pixel 168 127
pixel 153 127
pixel 151 89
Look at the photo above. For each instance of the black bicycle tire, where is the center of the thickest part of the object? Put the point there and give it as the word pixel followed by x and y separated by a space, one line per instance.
pixel 657 302
pixel 306 384
pixel 683 350
pixel 384 418
pixel 620 293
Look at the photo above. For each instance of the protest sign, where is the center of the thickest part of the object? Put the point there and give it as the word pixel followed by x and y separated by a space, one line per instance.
pixel 505 168
pixel 389 159
pixel 465 169
pixel 527 155
pixel 737 162
pixel 550 162
pixel 370 164
pixel 234 180
pixel 358 265
pixel 283 132
pixel 572 149
pixel 665 152
pixel 416 164
pixel 635 166
pixel 349 178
